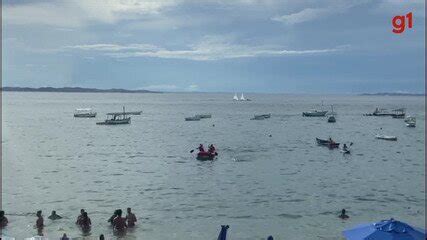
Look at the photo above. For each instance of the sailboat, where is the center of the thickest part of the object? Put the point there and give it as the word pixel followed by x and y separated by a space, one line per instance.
pixel 242 98
pixel 235 98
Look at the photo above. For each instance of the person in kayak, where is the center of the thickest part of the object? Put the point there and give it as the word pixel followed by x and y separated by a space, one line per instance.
pixel 119 223
pixel 3 220
pixel 79 218
pixel 345 148
pixel 211 149
pixel 201 148
pixel 54 216
pixel 343 215
pixel 130 218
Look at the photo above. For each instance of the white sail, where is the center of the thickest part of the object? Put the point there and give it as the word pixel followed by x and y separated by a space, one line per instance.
pixel 235 97
pixel 242 98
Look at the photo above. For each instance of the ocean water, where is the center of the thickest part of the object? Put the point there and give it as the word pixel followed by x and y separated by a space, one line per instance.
pixel 284 185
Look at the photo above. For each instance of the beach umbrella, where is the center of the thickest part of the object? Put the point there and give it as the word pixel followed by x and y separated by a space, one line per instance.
pixel 385 230
pixel 223 233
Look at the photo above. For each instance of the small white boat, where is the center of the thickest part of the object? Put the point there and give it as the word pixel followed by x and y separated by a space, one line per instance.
pixel 84 113
pixel 411 124
pixel 204 115
pixel 385 137
pixel 235 98
pixel 195 118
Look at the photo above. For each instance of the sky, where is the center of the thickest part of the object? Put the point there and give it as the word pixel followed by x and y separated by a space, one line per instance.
pixel 286 46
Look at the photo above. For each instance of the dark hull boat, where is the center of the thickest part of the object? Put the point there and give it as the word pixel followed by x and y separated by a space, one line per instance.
pixel 205 156
pixel 115 121
pixel 327 143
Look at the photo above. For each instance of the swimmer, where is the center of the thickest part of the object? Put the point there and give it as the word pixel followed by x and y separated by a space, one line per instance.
pixel 119 223
pixel 3 220
pixel 54 216
pixel 40 221
pixel 343 215
pixel 131 218
pixel 85 222
pixel 79 218
pixel 64 237
pixel 111 219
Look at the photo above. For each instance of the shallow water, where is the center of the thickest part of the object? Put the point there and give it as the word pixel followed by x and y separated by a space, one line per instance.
pixel 283 185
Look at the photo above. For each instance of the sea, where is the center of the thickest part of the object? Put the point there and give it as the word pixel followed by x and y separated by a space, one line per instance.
pixel 270 177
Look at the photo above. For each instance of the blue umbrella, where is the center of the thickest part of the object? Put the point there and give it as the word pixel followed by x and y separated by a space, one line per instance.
pixel 385 230
pixel 223 233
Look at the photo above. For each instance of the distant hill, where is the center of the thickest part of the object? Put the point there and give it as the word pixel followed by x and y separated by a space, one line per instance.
pixel 392 94
pixel 73 89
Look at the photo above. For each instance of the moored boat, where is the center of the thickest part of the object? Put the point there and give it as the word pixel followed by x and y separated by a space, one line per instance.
pixel 84 113
pixel 261 117
pixel 207 115
pixel 385 137
pixel 328 143
pixel 314 113
pixel 117 118
pixel 195 118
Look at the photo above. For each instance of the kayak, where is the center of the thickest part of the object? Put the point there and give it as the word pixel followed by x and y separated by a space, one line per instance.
pixel 205 156
pixel 327 143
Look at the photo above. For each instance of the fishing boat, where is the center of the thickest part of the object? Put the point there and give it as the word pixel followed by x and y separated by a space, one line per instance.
pixel 381 112
pixel 315 113
pixel 194 118
pixel 328 143
pixel 116 118
pixel 205 156
pixel 235 98
pixel 331 118
pixel 398 113
pixel 385 137
pixel 261 117
pixel 204 115
pixel 84 113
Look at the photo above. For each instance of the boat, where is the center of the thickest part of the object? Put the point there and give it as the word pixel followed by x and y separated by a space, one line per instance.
pixel 331 118
pixel 203 116
pixel 84 113
pixel 195 118
pixel 242 98
pixel 409 119
pixel 381 112
pixel 314 113
pixel 205 156
pixel 261 117
pixel 327 143
pixel 385 137
pixel 411 124
pixel 398 113
pixel 235 98
pixel 116 118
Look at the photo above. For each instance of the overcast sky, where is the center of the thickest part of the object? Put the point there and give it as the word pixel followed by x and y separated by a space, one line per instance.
pixel 214 45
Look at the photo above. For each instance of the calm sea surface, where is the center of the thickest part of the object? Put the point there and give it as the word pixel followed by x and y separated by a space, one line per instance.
pixel 284 185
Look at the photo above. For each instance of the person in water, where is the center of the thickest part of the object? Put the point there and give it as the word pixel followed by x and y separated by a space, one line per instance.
pixel 110 220
pixel 130 218
pixel 79 218
pixel 54 216
pixel 343 215
pixel 39 223
pixel 201 148
pixel 270 238
pixel 64 237
pixel 3 220
pixel 85 222
pixel 119 223
pixel 101 237
pixel 211 149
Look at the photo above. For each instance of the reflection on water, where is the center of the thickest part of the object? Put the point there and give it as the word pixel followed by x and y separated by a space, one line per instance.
pixel 283 185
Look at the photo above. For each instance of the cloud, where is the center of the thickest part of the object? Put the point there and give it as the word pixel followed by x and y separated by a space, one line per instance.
pixel 210 48
pixel 78 13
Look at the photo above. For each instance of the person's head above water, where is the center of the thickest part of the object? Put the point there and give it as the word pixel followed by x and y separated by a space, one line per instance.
pixel 270 238
pixel 2 213
pixel 101 237
pixel 39 213
pixel 53 212
pixel 343 211
pixel 119 212
pixel 84 214
pixel 82 211
pixel 129 210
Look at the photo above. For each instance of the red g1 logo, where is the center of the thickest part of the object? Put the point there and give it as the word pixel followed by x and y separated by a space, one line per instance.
pixel 399 23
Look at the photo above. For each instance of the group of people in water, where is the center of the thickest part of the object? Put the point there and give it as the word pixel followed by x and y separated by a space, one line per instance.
pixel 119 223
pixel 211 149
